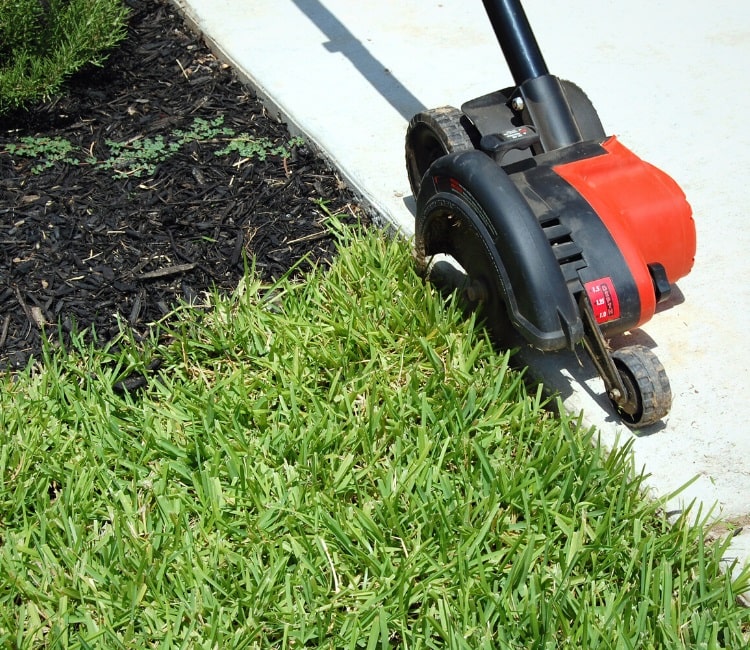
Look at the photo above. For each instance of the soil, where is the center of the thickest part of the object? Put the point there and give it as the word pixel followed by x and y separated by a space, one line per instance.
pixel 103 241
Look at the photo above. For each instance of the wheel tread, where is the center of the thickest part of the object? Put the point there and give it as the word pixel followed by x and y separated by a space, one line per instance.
pixel 651 381
pixel 445 127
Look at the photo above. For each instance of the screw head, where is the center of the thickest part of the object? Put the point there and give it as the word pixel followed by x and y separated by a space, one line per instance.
pixel 517 104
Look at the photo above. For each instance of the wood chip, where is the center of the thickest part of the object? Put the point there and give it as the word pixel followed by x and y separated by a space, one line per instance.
pixel 167 271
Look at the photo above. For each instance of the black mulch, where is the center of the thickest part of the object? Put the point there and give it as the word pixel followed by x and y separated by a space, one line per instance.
pixel 81 244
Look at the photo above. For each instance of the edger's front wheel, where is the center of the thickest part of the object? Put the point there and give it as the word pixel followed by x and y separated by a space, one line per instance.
pixel 432 134
pixel 649 396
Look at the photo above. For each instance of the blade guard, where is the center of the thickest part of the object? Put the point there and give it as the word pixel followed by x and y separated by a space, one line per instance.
pixel 536 295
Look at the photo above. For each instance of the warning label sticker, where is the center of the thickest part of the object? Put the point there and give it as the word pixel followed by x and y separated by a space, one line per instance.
pixel 603 299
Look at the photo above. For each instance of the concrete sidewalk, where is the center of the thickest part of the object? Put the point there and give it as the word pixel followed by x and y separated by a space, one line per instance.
pixel 669 80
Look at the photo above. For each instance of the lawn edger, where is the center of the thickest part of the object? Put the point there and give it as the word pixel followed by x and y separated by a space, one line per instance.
pixel 564 236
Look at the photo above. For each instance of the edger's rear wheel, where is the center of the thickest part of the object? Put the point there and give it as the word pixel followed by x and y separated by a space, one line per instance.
pixel 432 134
pixel 649 394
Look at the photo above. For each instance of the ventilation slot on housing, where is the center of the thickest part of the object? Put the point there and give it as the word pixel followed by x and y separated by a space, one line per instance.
pixel 568 254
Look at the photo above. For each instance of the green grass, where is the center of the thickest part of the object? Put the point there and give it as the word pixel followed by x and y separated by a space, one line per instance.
pixel 339 463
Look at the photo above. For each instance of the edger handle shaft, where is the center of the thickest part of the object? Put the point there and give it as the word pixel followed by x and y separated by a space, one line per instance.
pixel 516 39
pixel 543 96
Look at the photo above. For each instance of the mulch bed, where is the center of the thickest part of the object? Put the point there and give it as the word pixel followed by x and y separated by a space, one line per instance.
pixel 83 245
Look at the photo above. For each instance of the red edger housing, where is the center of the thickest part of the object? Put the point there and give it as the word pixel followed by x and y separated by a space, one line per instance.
pixel 564 235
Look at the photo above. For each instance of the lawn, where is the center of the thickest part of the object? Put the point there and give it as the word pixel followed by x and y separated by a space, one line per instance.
pixel 340 462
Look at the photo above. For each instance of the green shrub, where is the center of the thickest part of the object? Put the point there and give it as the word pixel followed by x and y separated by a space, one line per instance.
pixel 42 42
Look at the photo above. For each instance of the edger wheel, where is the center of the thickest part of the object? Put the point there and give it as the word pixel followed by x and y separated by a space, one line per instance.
pixel 432 134
pixel 649 394
pixel 482 288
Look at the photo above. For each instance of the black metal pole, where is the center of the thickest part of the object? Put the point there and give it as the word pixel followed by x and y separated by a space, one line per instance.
pixel 544 100
pixel 516 39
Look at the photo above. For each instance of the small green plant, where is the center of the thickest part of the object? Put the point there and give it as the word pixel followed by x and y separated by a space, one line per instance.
pixel 42 42
pixel 248 147
pixel 203 130
pixel 47 151
pixel 140 156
